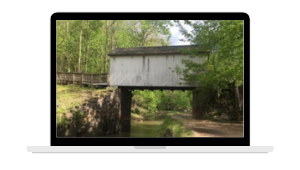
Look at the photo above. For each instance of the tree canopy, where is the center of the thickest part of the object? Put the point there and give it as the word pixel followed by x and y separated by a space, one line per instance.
pixel 223 39
pixel 223 69
pixel 83 45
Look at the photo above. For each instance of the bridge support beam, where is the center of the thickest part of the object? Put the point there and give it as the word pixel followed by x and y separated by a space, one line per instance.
pixel 197 107
pixel 126 96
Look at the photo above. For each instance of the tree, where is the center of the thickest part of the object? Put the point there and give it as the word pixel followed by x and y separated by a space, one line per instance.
pixel 113 34
pixel 97 38
pixel 87 45
pixel 67 46
pixel 80 39
pixel 223 39
pixel 148 32
pixel 106 43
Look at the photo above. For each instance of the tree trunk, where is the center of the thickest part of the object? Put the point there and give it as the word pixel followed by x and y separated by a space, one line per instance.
pixel 79 59
pixel 219 99
pixel 237 101
pixel 60 65
pixel 87 45
pixel 239 98
pixel 111 38
pixel 101 59
pixel 101 51
pixel 135 103
pixel 242 99
pixel 67 46
pixel 96 61
pixel 113 33
pixel 105 61
pixel 145 36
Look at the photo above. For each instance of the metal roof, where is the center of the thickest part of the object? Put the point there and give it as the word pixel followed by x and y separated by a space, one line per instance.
pixel 152 50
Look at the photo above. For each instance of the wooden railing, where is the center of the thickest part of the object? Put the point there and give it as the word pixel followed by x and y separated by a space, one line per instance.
pixel 81 78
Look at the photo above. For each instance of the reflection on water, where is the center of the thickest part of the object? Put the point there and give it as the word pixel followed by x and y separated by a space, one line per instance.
pixel 147 128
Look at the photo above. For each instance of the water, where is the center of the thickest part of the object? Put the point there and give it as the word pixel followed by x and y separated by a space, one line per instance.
pixel 147 128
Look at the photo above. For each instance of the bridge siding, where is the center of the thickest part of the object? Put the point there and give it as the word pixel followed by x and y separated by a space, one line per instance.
pixel 147 70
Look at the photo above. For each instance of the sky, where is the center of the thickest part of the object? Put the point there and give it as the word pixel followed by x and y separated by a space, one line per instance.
pixel 176 35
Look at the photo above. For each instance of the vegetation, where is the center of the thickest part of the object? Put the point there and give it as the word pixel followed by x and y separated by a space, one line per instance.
pixel 223 69
pixel 67 97
pixel 137 110
pixel 174 128
pixel 136 116
pixel 154 101
pixel 83 45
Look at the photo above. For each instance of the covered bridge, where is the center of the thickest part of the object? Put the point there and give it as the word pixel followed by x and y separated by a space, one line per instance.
pixel 150 67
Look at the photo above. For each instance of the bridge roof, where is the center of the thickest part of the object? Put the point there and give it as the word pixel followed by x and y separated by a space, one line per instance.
pixel 152 50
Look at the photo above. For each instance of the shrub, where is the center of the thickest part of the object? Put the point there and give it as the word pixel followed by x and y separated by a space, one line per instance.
pixel 137 111
pixel 173 128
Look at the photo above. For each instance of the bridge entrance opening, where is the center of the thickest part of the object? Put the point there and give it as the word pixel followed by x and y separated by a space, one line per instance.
pixel 133 115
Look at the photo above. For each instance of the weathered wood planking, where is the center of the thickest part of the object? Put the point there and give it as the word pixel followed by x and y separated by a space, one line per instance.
pixel 81 78
pixel 77 77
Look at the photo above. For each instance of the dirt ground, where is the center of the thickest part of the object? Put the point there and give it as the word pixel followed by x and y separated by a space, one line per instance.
pixel 208 128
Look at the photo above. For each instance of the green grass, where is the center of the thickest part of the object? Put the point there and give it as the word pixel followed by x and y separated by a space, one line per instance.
pixel 111 88
pixel 170 113
pixel 189 132
pixel 61 119
pixel 176 127
pixel 136 116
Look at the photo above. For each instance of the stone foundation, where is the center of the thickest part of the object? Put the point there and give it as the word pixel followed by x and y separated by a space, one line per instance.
pixel 97 116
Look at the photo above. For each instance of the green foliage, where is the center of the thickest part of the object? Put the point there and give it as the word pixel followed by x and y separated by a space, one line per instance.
pixel 120 34
pixel 176 100
pixel 79 116
pixel 61 120
pixel 189 132
pixel 174 128
pixel 152 101
pixel 137 110
pixel 223 40
pixel 162 100
pixel 146 99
